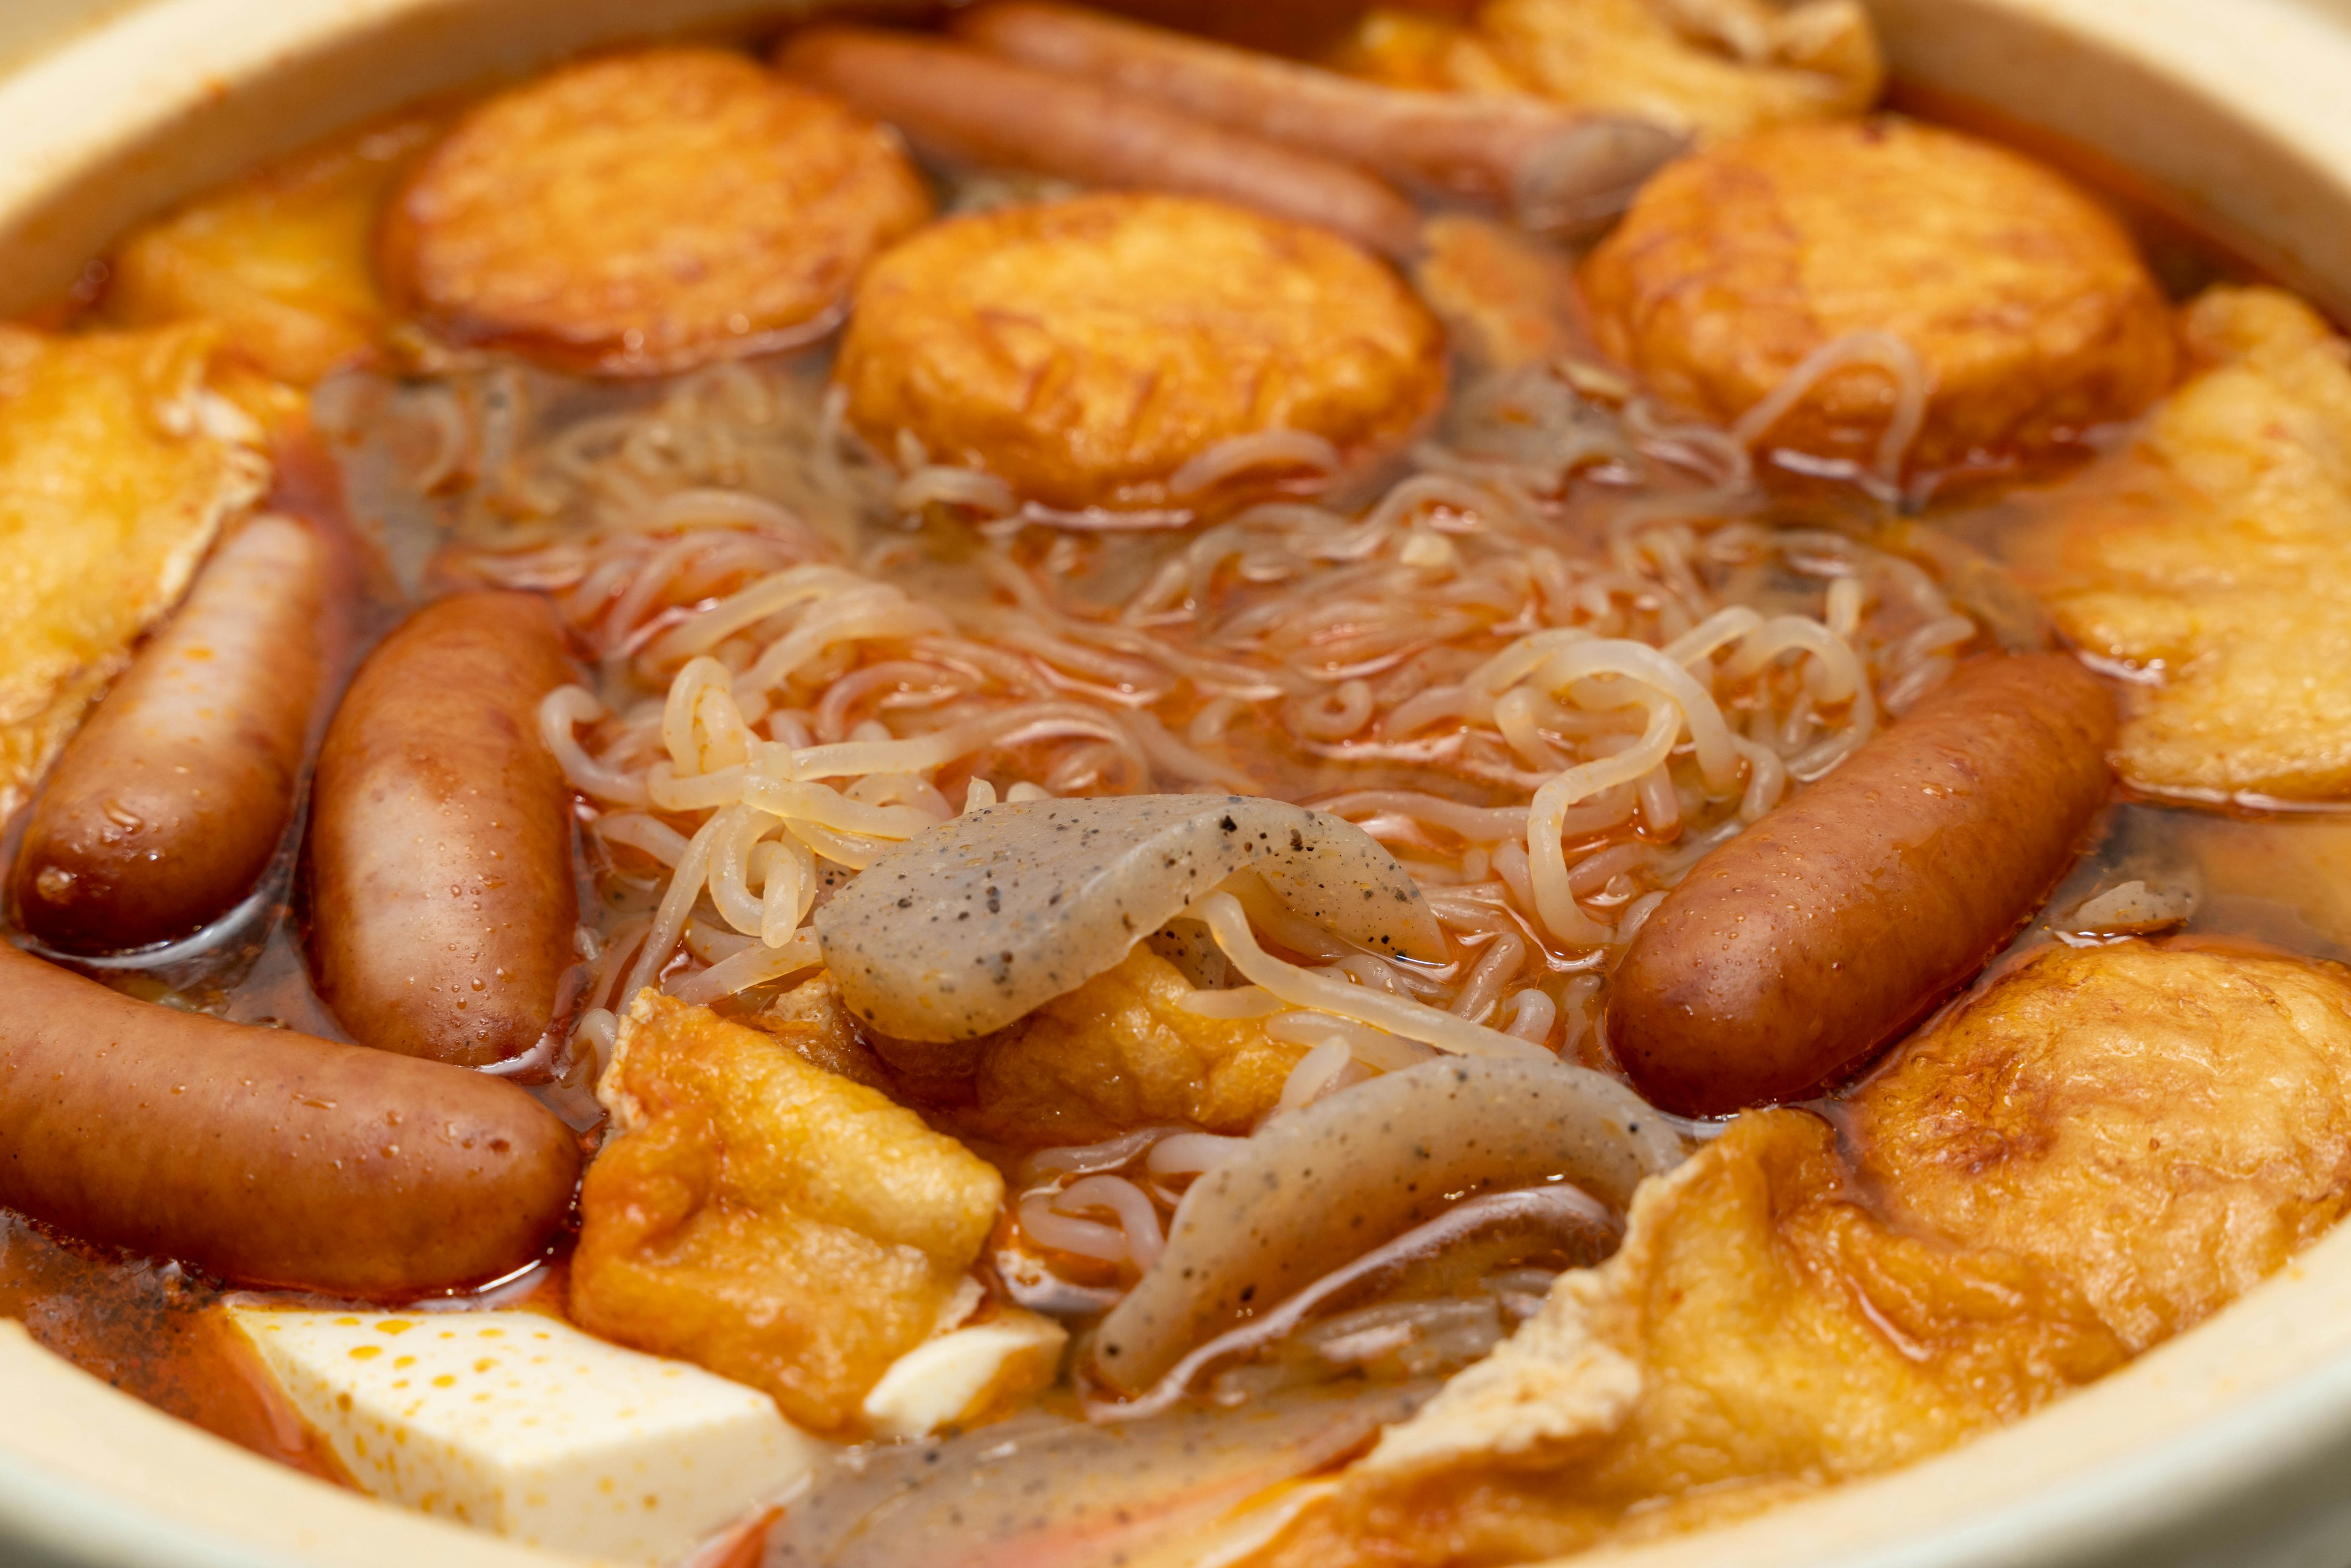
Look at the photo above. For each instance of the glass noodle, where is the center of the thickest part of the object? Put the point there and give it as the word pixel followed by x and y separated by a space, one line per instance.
pixel 1549 666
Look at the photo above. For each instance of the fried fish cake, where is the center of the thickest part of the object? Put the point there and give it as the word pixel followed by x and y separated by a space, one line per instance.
pixel 1083 350
pixel 646 211
pixel 2029 311
pixel 283 260
pixel 2099 1150
pixel 2214 554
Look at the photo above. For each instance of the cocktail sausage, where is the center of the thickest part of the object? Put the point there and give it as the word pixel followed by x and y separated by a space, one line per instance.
pixel 1551 166
pixel 1795 951
pixel 968 107
pixel 441 903
pixel 266 1156
pixel 165 808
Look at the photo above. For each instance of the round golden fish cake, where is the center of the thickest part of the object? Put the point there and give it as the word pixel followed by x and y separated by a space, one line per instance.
pixel 2026 305
pixel 1084 350
pixel 645 212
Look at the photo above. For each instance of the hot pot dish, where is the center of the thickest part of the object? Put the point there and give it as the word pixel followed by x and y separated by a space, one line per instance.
pixel 1025 788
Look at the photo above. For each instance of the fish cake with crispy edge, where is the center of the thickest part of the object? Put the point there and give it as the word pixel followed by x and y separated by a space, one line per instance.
pixel 646 211
pixel 2030 311
pixel 1083 350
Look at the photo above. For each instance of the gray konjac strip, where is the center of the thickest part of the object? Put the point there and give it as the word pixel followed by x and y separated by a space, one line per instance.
pixel 1324 1185
pixel 968 926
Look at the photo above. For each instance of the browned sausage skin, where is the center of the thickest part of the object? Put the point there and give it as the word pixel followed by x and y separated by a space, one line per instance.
pixel 165 808
pixel 1793 952
pixel 1552 166
pixel 968 107
pixel 266 1156
pixel 442 909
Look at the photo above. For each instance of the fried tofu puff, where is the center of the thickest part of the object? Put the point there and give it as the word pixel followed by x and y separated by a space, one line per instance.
pixel 119 465
pixel 2026 305
pixel 2101 1149
pixel 1715 68
pixel 763 1218
pixel 646 211
pixel 2215 556
pixel 283 260
pixel 1117 1054
pixel 1084 350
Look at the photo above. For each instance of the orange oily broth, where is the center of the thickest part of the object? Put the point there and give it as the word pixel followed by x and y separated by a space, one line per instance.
pixel 144 1327
pixel 149 1330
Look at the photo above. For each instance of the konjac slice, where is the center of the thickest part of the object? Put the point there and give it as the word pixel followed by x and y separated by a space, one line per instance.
pixel 1043 1491
pixel 970 925
pixel 1322 1185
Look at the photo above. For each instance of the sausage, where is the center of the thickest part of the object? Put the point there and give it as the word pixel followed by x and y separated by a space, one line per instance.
pixel 166 807
pixel 442 903
pixel 1554 167
pixel 968 106
pixel 1792 953
pixel 267 1157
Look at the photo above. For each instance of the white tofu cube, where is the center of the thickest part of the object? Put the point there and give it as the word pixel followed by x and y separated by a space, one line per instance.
pixel 517 1423
pixel 946 1380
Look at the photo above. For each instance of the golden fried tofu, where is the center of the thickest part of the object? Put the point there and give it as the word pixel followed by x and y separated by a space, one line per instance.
pixel 2215 555
pixel 2027 307
pixel 118 466
pixel 2103 1147
pixel 814 1021
pixel 283 260
pixel 1508 298
pixel 1717 67
pixel 1082 351
pixel 1117 1054
pixel 646 211
pixel 771 1221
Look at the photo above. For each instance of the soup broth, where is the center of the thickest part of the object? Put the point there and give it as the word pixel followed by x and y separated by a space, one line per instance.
pixel 800 645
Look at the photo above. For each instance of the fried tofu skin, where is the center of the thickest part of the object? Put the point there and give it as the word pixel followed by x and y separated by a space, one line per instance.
pixel 1715 68
pixel 647 212
pixel 284 260
pixel 117 469
pixel 1117 1054
pixel 771 1221
pixel 2215 555
pixel 2027 309
pixel 2162 1125
pixel 2099 1150
pixel 1084 350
